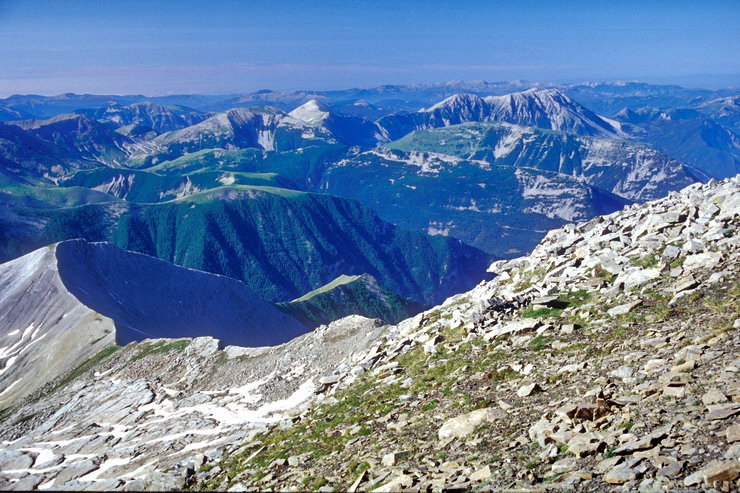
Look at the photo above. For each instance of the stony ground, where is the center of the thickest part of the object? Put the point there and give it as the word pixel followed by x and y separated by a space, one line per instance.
pixel 140 417
pixel 605 361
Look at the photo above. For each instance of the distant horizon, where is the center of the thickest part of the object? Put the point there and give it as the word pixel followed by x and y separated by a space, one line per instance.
pixel 710 87
pixel 154 47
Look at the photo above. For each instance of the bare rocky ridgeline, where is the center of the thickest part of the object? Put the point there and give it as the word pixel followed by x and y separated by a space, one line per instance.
pixel 607 360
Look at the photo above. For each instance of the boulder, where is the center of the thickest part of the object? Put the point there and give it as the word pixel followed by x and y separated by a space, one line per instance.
pixel 463 425
pixel 623 309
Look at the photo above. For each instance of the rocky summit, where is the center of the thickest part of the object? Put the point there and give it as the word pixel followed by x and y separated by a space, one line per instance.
pixel 606 360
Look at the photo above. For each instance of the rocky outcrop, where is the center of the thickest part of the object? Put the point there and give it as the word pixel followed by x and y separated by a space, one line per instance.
pixel 152 413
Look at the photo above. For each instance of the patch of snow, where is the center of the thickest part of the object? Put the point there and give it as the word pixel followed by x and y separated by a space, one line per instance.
pixel 506 145
pixel 108 464
pixel 8 364
pixel 312 112
pixel 7 389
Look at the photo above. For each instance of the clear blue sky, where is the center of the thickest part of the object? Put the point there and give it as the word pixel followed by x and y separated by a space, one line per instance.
pixel 155 47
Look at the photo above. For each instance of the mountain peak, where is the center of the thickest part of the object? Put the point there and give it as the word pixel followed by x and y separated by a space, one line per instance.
pixel 313 112
pixel 550 109
pixel 459 100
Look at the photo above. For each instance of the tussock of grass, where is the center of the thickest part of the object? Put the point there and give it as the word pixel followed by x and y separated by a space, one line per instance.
pixel 161 347
pixel 87 365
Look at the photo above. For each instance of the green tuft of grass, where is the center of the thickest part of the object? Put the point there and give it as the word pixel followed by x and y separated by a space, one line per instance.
pixel 84 367
pixel 161 347
pixel 538 343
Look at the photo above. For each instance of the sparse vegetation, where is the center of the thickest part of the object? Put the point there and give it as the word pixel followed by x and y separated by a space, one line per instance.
pixel 86 366
pixel 160 347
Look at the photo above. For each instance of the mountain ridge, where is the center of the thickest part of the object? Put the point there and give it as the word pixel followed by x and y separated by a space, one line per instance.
pixel 546 108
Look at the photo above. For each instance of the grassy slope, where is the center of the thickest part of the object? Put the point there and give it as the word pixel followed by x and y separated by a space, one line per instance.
pixel 282 243
pixel 349 295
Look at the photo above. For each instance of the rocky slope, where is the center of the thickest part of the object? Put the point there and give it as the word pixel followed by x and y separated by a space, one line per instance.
pixel 258 127
pixel 606 360
pixel 502 209
pixel 25 155
pixel 79 137
pixel 688 135
pixel 155 116
pixel 140 417
pixel 629 170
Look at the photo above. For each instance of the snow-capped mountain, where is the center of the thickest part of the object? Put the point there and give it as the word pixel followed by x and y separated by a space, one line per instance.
pixel 548 108
pixel 312 112
pixel 349 130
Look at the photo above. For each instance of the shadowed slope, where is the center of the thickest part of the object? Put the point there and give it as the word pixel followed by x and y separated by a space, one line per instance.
pixel 150 298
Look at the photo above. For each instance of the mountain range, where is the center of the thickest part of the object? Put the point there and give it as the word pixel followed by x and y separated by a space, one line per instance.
pixel 289 191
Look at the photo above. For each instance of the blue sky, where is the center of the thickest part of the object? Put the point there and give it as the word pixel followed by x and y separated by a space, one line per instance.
pixel 154 47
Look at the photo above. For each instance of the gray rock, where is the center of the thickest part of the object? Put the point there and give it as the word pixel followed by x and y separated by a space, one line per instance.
pixel 637 277
pixel 27 483
pixel 392 458
pixel 622 372
pixel 671 252
pixel 672 470
pixel 644 443
pixel 463 425
pixel 481 474
pixel 396 484
pixel 564 465
pixel 732 433
pixel 693 246
pixel 623 309
pixel 608 464
pixel 584 444
pixel 722 411
pixel 620 475
pixel 239 487
pixel 77 470
pixel 713 396
pixel 529 389
pixel 720 471
pixel 11 460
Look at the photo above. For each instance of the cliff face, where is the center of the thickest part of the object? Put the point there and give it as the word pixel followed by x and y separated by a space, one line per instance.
pixel 606 359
